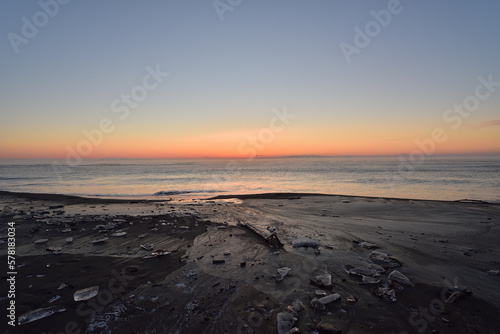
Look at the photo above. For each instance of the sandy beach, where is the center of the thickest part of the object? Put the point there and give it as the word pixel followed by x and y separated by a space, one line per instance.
pixel 270 263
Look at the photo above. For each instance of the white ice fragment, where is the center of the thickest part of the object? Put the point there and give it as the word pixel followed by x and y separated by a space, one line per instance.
pixel 39 314
pixel 85 294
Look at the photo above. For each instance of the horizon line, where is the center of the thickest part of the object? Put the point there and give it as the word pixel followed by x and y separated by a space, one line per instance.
pixel 271 157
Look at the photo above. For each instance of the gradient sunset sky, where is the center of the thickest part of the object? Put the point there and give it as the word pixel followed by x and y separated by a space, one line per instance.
pixel 228 78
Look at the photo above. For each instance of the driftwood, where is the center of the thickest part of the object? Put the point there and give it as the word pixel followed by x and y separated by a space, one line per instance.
pixel 270 237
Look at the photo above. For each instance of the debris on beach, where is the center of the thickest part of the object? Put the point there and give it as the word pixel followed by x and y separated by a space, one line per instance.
pixel 107 227
pixel 118 234
pixel 282 272
pixel 305 242
pixel 369 270
pixel 7 211
pixel 227 253
pixel 492 272
pixel 315 304
pixel 327 328
pixel 270 237
pixel 69 240
pixel 369 280
pixel 191 273
pixel 217 261
pixel 99 240
pixel 323 281
pixel 53 299
pixel 320 303
pixel 400 278
pixel 286 321
pixel 351 299
pixel 384 260
pixel 55 250
pixel 458 294
pixel 330 298
pixel 62 286
pixel 85 294
pixel 296 307
pixel 386 293
pixel 368 245
pixel 294 330
pixel 66 230
pixel 160 252
pixel 40 241
pixel 148 247
pixel 39 314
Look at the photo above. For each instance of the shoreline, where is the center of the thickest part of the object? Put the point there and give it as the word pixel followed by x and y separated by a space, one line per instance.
pixel 75 199
pixel 217 270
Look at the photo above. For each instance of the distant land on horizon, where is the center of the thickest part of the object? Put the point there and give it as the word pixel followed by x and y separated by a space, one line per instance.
pixel 307 156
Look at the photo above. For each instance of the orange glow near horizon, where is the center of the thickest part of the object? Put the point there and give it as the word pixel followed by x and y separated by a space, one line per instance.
pixel 324 141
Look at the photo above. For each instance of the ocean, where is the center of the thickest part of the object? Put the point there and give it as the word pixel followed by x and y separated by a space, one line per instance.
pixel 435 178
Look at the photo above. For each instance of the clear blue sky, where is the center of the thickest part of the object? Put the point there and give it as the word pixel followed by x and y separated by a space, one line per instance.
pixel 227 76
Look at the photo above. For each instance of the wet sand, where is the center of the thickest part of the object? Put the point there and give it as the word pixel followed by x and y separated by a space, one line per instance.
pixel 220 274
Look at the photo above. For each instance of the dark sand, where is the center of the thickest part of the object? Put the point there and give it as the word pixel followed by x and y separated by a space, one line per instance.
pixel 443 248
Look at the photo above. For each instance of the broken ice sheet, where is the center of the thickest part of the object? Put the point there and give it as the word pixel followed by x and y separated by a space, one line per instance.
pixel 148 247
pixel 399 277
pixel 85 294
pixel 282 272
pixel 370 280
pixel 53 299
pixel 39 314
pixel 99 241
pixel 384 260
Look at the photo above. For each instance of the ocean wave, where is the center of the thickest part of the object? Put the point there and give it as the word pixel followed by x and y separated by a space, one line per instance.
pixel 6 178
pixel 181 192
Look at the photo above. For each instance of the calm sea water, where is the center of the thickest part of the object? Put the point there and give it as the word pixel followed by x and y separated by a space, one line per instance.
pixel 441 178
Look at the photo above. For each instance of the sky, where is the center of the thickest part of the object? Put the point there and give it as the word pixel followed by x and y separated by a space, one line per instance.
pixel 239 78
